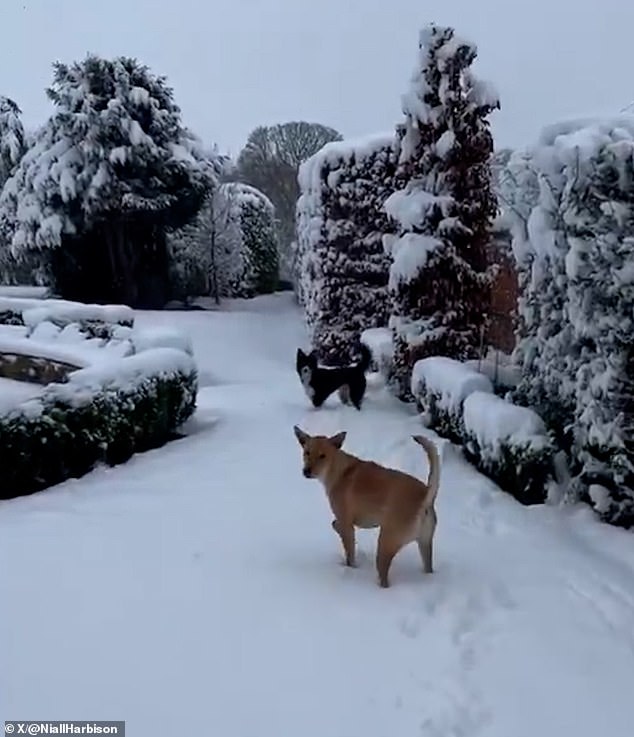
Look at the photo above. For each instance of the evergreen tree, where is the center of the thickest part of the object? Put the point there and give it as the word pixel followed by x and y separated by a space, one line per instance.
pixel 13 145
pixel 12 138
pixel 444 207
pixel 259 239
pixel 573 224
pixel 342 267
pixel 108 174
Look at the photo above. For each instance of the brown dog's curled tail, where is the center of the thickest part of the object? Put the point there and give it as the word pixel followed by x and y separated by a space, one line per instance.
pixel 433 481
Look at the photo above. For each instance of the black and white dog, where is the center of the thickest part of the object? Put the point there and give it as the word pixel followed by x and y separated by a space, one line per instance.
pixel 320 382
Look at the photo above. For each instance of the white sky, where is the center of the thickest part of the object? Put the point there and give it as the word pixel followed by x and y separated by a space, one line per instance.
pixel 235 64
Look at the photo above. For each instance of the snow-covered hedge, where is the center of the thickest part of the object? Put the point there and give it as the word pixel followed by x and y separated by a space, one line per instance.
pixel 95 320
pixel 510 444
pixel 379 343
pixel 570 202
pixel 440 386
pixel 102 414
pixel 342 269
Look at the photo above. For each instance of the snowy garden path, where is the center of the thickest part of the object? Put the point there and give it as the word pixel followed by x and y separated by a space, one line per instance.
pixel 198 589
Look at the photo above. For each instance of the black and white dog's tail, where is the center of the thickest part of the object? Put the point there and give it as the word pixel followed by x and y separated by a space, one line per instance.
pixel 366 357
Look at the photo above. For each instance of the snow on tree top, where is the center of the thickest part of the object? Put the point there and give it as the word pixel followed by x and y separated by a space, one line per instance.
pixel 336 153
pixel 242 194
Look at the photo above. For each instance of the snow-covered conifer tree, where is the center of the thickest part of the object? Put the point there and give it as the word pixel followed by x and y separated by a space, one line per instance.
pixel 575 251
pixel 111 170
pixel 342 267
pixel 12 138
pixel 444 207
pixel 259 239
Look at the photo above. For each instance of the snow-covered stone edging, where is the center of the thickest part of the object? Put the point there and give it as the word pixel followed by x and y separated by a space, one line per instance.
pixel 102 414
pixel 95 320
pixel 440 385
pixel 510 444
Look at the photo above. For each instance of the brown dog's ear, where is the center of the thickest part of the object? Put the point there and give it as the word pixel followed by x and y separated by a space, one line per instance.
pixel 301 436
pixel 337 440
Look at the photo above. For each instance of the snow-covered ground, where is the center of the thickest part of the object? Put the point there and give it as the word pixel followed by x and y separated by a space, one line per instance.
pixel 198 589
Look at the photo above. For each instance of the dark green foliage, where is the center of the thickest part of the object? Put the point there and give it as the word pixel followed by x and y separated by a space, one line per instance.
pixel 446 422
pixel 66 440
pixel 124 170
pixel 259 242
pixel 523 471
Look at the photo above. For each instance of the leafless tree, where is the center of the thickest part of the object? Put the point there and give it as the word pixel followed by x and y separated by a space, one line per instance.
pixel 270 161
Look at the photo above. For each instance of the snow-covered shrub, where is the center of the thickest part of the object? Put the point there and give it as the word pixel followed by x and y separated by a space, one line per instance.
pixel 98 321
pixel 379 342
pixel 12 138
pixel 102 414
pixel 111 170
pixel 342 268
pixel 574 245
pixel 258 238
pixel 440 386
pixel 510 444
pixel 444 207
pixel 499 367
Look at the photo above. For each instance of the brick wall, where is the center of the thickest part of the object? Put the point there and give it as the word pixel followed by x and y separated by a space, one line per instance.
pixel 503 308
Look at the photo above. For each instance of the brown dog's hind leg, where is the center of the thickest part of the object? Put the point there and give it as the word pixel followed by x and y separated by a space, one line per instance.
pixel 426 538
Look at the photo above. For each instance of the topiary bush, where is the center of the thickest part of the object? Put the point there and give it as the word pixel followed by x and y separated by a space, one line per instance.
pixel 95 321
pixel 102 414
pixel 509 444
pixel 440 385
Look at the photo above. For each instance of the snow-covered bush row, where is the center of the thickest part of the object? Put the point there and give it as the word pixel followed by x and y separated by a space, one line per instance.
pixel 570 202
pixel 95 320
pixel 342 270
pixel 510 444
pixel 440 386
pixel 102 414
pixel 70 347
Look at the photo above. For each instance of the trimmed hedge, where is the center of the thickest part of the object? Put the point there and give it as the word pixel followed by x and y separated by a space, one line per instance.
pixel 440 386
pixel 103 414
pixel 96 321
pixel 509 444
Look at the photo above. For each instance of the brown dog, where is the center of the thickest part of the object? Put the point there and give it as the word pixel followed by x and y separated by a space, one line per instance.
pixel 364 494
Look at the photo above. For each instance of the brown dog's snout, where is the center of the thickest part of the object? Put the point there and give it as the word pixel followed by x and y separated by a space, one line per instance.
pixel 306 472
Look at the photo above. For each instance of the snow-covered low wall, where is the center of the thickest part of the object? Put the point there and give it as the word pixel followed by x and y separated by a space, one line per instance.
pixel 510 444
pixel 440 386
pixel 103 413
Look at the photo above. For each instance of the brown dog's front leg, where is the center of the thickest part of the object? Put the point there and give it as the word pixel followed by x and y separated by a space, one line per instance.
pixel 346 533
